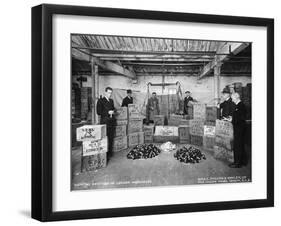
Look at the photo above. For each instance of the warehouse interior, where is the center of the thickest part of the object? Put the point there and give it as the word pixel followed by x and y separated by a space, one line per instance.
pixel 168 67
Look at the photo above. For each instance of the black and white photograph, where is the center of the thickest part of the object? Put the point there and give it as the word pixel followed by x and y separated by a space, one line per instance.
pixel 158 111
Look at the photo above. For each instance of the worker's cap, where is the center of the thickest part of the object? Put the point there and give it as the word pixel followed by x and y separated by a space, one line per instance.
pixel 226 90
pixel 154 93
pixel 129 91
pixel 187 91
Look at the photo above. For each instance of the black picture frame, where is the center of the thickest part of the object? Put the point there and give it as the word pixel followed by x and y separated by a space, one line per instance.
pixel 42 111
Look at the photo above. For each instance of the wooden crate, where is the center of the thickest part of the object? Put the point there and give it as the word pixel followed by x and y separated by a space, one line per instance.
pixel 121 113
pixel 121 122
pixel 91 132
pixel 120 143
pixel 166 131
pixel 184 134
pixel 163 139
pixel 223 154
pixel 209 142
pixel 209 131
pixel 134 111
pixel 197 127
pixel 93 162
pixel 174 116
pixel 91 147
pixel 199 111
pixel 212 113
pixel 148 139
pixel 120 131
pixel 141 138
pixel 224 128
pixel 225 142
pixel 159 120
pixel 148 129
pixel 135 126
pixel 133 139
pixel 196 140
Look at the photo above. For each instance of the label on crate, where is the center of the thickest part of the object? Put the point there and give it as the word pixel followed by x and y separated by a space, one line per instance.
pixel 93 162
pixel 133 111
pixel 197 127
pixel 94 147
pixel 224 128
pixel 91 132
pixel 135 126
pixel 209 131
pixel 166 131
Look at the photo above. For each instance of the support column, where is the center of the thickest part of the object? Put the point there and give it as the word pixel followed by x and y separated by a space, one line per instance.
pixel 95 90
pixel 217 71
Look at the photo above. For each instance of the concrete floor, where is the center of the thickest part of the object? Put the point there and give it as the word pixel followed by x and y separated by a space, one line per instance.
pixel 161 170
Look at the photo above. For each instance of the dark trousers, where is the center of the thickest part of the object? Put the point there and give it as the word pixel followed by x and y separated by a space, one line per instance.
pixel 239 144
pixel 110 132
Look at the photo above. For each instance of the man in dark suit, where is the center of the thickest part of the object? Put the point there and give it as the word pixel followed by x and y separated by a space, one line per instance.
pixel 227 106
pixel 152 108
pixel 186 101
pixel 128 99
pixel 239 128
pixel 106 109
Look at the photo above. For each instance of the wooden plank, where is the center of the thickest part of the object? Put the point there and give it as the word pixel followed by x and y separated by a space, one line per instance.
pixel 235 49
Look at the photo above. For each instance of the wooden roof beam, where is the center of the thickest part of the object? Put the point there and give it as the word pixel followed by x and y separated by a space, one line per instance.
pixel 107 65
pixel 233 48
pixel 113 67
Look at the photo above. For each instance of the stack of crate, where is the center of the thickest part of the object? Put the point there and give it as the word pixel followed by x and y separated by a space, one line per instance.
pixel 224 140
pixel 184 134
pixel 94 146
pixel 209 138
pixel 196 132
pixel 212 114
pixel 148 133
pixel 135 126
pixel 120 137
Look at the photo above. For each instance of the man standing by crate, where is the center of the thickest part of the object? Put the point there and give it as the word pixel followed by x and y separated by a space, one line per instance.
pixel 227 106
pixel 188 98
pixel 239 128
pixel 128 99
pixel 106 109
pixel 152 107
